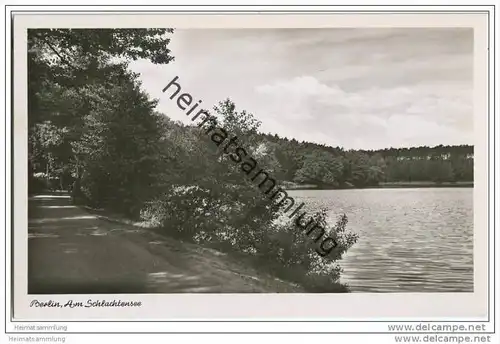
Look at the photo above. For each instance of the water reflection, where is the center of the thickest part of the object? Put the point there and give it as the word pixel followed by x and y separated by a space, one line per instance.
pixel 411 240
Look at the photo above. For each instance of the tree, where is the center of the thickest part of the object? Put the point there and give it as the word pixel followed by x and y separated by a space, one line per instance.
pixel 320 167
pixel 103 129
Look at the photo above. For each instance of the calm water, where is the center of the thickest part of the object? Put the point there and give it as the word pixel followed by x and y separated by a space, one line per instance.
pixel 411 240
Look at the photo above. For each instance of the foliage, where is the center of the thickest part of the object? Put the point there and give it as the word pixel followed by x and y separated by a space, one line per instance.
pixel 90 124
pixel 296 255
pixel 333 167
pixel 218 205
pixel 321 168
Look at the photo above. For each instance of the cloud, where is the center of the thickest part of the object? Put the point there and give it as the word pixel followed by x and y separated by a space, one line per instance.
pixel 356 88
pixel 415 112
pixel 299 86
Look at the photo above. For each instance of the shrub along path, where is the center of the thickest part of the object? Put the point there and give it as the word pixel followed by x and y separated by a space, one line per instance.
pixel 71 251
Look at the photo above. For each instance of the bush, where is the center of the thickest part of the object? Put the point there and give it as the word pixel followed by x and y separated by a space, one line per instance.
pixel 220 219
pixel 187 212
pixel 211 214
pixel 296 252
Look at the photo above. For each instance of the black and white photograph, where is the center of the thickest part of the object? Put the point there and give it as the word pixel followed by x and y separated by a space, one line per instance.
pixel 335 160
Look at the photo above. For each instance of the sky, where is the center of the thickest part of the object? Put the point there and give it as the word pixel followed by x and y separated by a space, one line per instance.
pixel 353 88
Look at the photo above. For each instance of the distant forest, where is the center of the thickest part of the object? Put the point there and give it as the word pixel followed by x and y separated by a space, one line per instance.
pixel 310 163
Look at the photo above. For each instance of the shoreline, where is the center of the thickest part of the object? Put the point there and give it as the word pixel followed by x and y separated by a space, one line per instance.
pixel 395 185
pixel 295 280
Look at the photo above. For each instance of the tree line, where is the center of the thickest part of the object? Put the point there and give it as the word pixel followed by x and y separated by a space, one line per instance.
pixel 335 167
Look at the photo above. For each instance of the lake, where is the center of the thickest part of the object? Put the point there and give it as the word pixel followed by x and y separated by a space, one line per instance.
pixel 410 240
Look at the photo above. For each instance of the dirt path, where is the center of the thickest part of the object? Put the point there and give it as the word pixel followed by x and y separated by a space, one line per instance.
pixel 72 252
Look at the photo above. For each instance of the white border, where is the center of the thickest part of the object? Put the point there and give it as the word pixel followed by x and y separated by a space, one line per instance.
pixel 443 305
